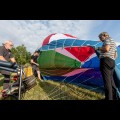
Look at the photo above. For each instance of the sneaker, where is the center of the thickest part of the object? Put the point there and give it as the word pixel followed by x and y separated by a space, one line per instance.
pixel 41 80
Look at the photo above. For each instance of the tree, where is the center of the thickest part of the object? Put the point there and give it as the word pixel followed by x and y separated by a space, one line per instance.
pixel 21 54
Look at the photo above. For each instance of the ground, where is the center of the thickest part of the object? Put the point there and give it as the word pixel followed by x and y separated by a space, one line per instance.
pixel 51 90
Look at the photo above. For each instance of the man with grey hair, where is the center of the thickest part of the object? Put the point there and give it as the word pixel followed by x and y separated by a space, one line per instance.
pixel 108 54
pixel 6 55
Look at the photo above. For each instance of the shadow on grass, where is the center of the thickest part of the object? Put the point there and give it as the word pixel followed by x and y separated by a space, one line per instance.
pixel 85 93
pixel 56 91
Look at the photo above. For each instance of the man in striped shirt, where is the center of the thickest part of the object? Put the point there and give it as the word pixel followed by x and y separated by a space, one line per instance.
pixel 108 54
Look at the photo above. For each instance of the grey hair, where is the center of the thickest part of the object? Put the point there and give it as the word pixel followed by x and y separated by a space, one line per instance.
pixel 7 41
pixel 103 34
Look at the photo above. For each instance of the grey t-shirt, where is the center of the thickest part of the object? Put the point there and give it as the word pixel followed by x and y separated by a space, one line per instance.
pixel 5 53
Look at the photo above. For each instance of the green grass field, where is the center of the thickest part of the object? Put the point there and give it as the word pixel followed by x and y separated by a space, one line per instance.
pixel 51 90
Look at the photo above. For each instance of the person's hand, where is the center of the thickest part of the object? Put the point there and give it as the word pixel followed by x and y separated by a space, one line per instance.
pixel 37 64
pixel 96 48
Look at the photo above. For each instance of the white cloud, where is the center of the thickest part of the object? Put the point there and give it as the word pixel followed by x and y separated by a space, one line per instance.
pixel 31 33
pixel 117 43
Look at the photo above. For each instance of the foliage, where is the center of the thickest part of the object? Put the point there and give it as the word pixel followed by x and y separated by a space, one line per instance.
pixel 21 54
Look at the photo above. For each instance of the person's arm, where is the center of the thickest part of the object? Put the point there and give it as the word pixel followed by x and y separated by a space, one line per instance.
pixel 2 58
pixel 34 62
pixel 1 54
pixel 12 60
pixel 104 48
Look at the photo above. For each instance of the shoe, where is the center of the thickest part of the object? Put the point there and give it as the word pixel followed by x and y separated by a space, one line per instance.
pixel 41 80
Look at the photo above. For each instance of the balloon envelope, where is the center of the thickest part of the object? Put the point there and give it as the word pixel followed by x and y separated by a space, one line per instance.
pixel 66 58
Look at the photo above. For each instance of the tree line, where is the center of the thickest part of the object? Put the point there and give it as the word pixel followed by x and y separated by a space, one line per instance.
pixel 21 54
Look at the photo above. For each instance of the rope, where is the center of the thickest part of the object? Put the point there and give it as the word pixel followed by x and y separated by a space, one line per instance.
pixel 77 84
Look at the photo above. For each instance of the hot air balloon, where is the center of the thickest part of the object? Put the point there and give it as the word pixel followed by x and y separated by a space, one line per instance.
pixel 68 59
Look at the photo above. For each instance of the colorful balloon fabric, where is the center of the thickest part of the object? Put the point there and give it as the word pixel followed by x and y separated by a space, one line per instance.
pixel 68 59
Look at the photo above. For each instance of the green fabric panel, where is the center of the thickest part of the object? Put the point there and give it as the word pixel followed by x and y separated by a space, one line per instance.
pixel 62 61
pixel 46 59
pixel 52 59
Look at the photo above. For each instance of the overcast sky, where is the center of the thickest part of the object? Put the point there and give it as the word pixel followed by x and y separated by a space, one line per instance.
pixel 31 33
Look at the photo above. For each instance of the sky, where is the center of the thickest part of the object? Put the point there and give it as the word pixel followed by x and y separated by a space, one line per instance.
pixel 31 33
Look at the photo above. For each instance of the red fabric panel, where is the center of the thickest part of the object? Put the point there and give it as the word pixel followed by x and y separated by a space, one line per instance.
pixel 82 53
pixel 70 36
pixel 46 41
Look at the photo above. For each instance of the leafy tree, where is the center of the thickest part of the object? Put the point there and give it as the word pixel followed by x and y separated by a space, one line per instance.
pixel 21 54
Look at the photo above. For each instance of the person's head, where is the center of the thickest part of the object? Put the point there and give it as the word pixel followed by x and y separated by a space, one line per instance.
pixel 102 36
pixel 36 53
pixel 8 44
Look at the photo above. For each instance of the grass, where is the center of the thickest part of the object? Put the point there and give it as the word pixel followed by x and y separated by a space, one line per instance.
pixel 51 90
pixel 1 82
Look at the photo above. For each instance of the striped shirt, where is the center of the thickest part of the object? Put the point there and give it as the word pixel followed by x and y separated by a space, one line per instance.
pixel 112 50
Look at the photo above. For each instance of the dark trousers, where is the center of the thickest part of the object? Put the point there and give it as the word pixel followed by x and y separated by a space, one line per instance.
pixel 35 69
pixel 107 66
pixel 6 82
